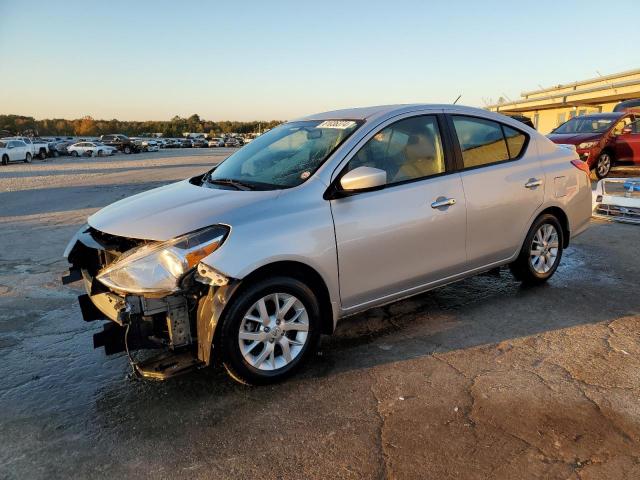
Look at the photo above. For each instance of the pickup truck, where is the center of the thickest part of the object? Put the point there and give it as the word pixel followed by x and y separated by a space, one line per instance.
pixel 120 142
pixel 36 147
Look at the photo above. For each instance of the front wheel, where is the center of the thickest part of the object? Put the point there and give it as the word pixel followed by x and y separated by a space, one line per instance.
pixel 74 153
pixel 27 158
pixel 603 165
pixel 127 149
pixel 269 330
pixel 541 252
pixel 5 160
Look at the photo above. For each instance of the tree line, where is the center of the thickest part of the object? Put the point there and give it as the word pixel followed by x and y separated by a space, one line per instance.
pixel 88 126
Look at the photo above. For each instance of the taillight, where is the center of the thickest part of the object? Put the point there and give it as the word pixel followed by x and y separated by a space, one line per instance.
pixel 579 164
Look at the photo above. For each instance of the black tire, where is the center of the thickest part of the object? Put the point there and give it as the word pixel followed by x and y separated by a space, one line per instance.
pixel 234 362
pixel 127 149
pixel 603 165
pixel 89 153
pixel 43 154
pixel 523 268
pixel 27 158
pixel 74 153
pixel 5 160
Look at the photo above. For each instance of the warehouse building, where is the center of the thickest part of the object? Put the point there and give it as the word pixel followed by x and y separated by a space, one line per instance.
pixel 549 107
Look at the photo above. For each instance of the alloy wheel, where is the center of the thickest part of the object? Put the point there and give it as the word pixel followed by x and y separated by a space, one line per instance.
pixel 544 248
pixel 274 331
pixel 604 164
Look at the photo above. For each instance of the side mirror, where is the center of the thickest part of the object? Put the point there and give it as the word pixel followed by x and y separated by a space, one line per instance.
pixel 363 178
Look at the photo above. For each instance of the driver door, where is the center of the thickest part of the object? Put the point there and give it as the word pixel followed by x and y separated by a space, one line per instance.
pixel 628 144
pixel 396 240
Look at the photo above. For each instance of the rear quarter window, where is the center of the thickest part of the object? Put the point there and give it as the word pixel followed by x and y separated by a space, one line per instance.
pixel 516 141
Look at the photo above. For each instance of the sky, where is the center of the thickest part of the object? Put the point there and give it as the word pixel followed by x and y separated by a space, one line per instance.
pixel 263 60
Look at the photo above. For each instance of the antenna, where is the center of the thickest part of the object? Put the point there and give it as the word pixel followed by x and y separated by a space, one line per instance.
pixel 456 100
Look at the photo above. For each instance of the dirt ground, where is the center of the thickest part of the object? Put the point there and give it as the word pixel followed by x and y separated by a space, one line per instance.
pixel 480 379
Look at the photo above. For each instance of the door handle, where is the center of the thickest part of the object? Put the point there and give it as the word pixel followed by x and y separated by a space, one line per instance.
pixel 443 202
pixel 533 183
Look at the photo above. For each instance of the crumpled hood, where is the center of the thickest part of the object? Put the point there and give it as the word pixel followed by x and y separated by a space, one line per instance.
pixel 573 138
pixel 175 209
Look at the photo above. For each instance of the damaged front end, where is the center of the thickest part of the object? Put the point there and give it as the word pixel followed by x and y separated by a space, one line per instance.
pixel 617 199
pixel 155 295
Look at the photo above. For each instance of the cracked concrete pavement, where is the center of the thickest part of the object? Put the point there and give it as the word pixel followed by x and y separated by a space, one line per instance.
pixel 479 379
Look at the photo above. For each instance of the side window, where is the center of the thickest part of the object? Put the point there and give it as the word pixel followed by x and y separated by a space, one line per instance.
pixel 515 141
pixel 483 142
pixel 617 129
pixel 406 150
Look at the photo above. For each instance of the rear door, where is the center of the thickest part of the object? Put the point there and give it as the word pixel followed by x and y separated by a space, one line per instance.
pixel 503 183
pixel 396 239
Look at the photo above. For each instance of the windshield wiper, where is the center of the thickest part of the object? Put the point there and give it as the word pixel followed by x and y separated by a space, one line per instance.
pixel 237 184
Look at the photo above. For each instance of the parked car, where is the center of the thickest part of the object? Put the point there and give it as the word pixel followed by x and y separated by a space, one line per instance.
pixel 120 142
pixel 216 142
pixel 602 140
pixel 61 147
pixel 200 143
pixel 231 142
pixel 318 219
pixel 186 143
pixel 12 150
pixel 628 106
pixel 617 199
pixel 150 146
pixel 90 149
pixel 36 147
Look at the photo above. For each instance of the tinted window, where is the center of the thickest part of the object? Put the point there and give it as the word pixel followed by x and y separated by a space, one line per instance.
pixel 407 150
pixel 515 141
pixel 481 141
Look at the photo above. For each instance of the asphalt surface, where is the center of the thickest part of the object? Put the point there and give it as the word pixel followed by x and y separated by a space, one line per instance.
pixel 480 379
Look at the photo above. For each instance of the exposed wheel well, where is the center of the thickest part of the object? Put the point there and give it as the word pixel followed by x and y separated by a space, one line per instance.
pixel 564 222
pixel 305 274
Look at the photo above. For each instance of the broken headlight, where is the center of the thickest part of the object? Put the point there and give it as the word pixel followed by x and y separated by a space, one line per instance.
pixel 158 267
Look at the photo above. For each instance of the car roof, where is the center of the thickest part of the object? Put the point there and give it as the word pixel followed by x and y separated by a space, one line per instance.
pixel 381 111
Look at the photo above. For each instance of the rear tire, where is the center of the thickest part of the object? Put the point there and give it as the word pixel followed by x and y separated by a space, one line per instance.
pixel 43 154
pixel 127 150
pixel 5 160
pixel 603 165
pixel 74 153
pixel 247 333
pixel 27 158
pixel 541 252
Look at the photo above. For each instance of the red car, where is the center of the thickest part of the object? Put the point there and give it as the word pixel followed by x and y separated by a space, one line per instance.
pixel 603 140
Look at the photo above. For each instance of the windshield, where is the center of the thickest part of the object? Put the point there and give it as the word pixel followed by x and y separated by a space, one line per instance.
pixel 285 156
pixel 585 125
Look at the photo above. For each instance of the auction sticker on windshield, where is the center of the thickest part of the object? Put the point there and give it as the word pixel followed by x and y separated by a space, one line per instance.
pixel 339 124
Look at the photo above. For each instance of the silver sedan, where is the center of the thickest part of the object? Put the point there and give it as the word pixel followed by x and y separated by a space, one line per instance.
pixel 320 218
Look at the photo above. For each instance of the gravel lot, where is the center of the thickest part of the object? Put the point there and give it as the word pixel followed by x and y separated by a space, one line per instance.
pixel 480 379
